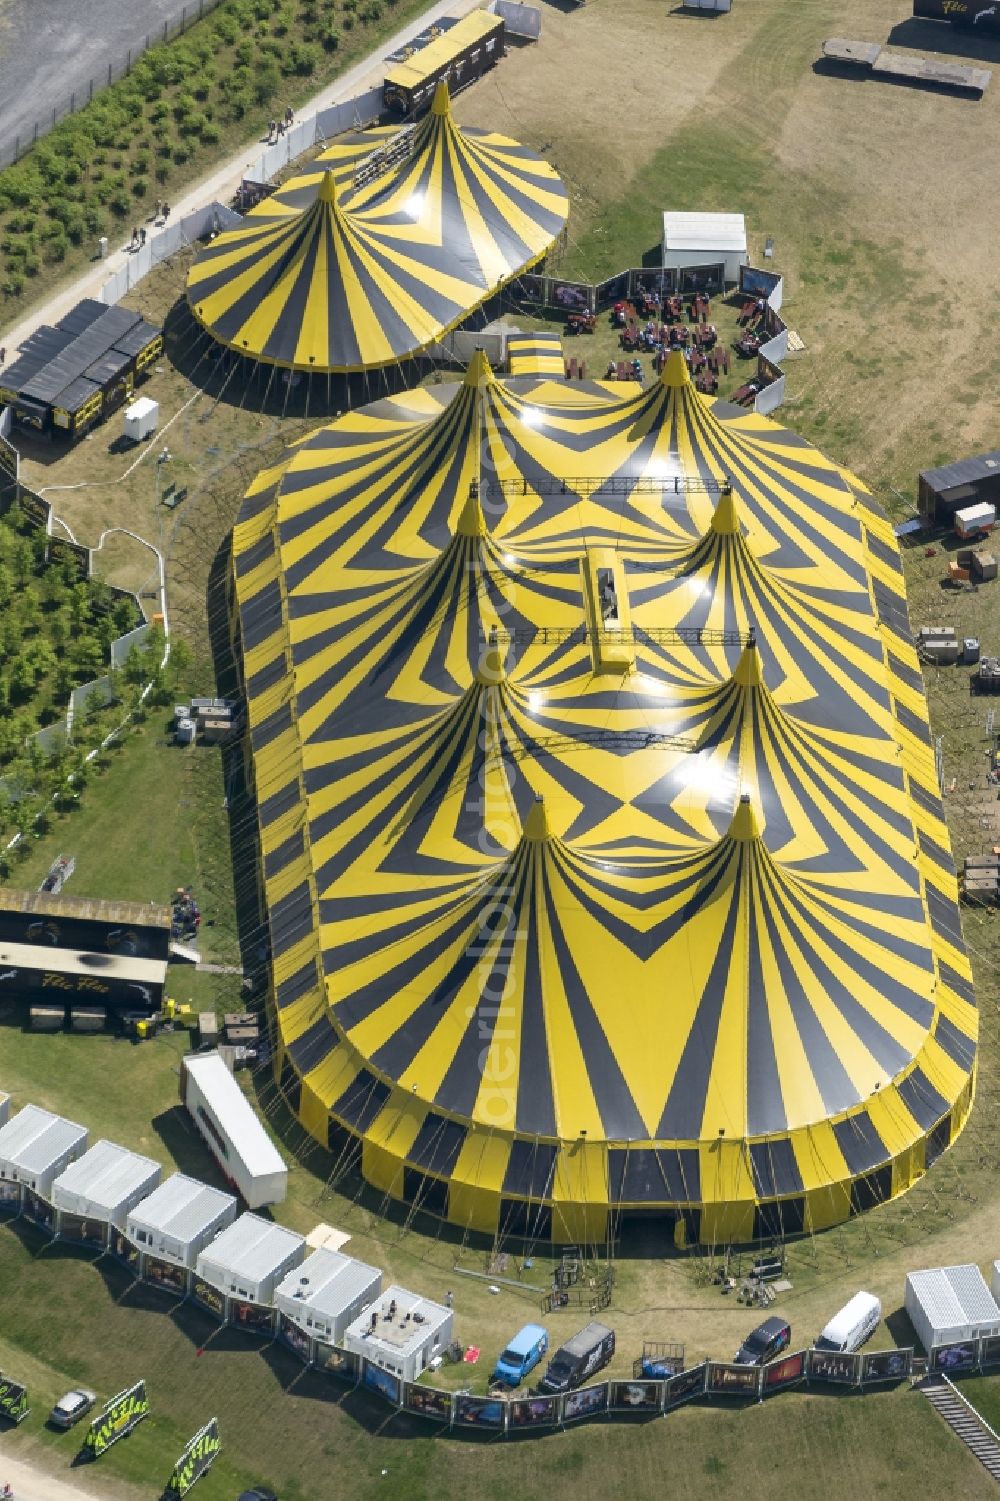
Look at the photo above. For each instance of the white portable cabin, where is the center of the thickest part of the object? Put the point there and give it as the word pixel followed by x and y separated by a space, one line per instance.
pixel 705 240
pixel 401 1332
pixel 975 519
pixel 249 1258
pixel 141 418
pixel 36 1146
pixel 179 1219
pixel 327 1293
pixel 950 1303
pixel 235 1136
pixel 101 1187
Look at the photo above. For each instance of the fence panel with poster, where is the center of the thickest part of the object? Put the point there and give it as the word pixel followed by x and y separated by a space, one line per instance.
pixel 336 1362
pixel 427 1402
pixel 682 1388
pixel 772 390
pixel 724 1379
pixel 767 285
pixel 959 1356
pixel 532 1412
pixel 786 1371
pixel 886 1365
pixel 10 1199
pixel 585 1402
pixel 488 1413
pixel 989 1350
pixel 119 1417
pixel 834 1366
pixel 637 1396
pixel 384 1383
pixel 198 1457
pixel 13 1400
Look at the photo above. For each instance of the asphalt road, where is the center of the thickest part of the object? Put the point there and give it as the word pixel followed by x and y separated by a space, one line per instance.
pixel 51 49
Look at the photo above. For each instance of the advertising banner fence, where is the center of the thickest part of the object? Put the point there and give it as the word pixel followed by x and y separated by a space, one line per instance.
pixel 532 1412
pixel 13 1400
pixel 886 1365
pixel 786 1371
pixel 682 1388
pixel 637 1396
pixel 119 1417
pixel 383 1382
pixel 962 1355
pixel 727 1380
pixel 427 1402
pixel 585 1402
pixel 828 1365
pixel 196 1459
pixel 209 1297
pixel 10 1199
pixel 479 1412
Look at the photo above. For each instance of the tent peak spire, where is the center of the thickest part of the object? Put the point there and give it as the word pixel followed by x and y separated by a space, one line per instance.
pixel 442 99
pixel 675 373
pixel 725 517
pixel 744 827
pixel 536 826
pixel 491 669
pixel 480 371
pixel 327 189
pixel 749 669
pixel 471 521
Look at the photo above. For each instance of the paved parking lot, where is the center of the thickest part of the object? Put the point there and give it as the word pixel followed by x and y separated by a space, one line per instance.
pixel 51 49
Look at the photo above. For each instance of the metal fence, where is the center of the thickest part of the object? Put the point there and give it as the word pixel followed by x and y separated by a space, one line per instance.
pixel 22 143
pixel 159 247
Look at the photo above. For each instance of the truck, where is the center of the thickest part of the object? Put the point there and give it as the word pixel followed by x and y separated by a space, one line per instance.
pixel 521 1355
pixel 579 1358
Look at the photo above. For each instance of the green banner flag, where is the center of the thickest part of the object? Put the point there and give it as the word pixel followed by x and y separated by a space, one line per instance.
pixel 196 1459
pixel 119 1417
pixel 13 1400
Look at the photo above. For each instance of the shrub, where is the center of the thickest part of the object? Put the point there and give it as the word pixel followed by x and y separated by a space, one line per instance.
pixel 330 39
pixel 181 153
pixel 371 10
pixel 56 248
pixel 303 59
pixel 13 284
pixel 267 81
pixel 140 187
pixel 120 203
pixel 32 265
pixel 210 133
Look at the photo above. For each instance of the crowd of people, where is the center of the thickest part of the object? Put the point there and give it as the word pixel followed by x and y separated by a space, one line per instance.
pixel 665 331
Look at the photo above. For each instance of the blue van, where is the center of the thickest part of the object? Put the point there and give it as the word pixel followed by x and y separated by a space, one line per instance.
pixel 521 1355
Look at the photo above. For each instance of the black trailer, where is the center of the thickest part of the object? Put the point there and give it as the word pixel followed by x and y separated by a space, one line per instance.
pixel 456 51
pixel 984 15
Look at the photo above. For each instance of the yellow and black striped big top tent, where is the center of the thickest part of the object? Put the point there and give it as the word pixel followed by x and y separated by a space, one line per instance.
pixel 603 856
pixel 389 241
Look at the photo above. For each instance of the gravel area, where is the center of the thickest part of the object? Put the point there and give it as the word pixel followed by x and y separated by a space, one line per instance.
pixel 51 49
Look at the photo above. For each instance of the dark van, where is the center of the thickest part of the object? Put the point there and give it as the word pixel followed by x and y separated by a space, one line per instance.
pixel 579 1358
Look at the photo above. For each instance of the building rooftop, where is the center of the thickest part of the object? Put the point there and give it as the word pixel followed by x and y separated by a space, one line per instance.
pixel 249 1248
pixel 106 1175
pixel 698 231
pixel 963 471
pixel 413 1319
pixel 954 1295
pixel 34 1138
pixel 326 1283
pixel 181 1207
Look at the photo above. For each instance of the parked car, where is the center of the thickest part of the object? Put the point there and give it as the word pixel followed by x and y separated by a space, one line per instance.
pixel 521 1355
pixel 72 1407
pixel 855 1323
pixel 766 1341
pixel 579 1358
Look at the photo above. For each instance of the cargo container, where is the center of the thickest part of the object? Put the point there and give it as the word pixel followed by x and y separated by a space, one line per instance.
pixel 459 54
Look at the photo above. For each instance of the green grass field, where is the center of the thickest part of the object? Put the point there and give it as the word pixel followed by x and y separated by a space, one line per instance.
pixel 733 116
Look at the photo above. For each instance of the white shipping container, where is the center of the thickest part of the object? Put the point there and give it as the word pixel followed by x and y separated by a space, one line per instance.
pixel 141 418
pixel 973 519
pixel 948 1304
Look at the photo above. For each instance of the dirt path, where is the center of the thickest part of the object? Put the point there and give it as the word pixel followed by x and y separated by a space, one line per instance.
pixel 222 183
pixel 32 1484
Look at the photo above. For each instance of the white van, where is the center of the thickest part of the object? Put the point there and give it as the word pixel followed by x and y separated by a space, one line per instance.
pixel 855 1323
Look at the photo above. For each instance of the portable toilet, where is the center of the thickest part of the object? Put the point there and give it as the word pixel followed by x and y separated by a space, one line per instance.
pixel 184 731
